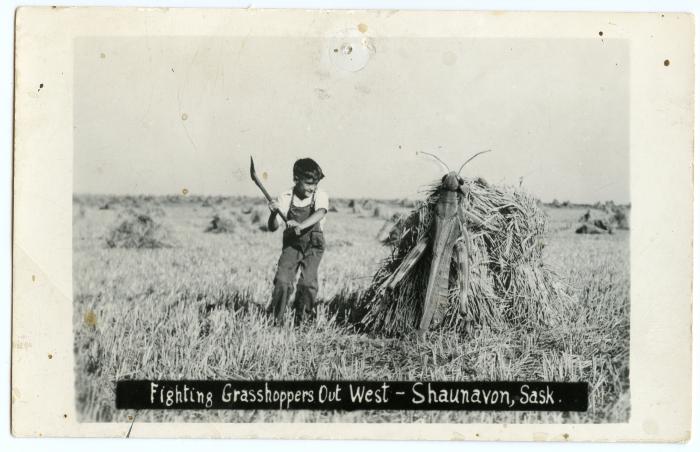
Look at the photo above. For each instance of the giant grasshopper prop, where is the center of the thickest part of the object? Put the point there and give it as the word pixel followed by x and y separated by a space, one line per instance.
pixel 447 235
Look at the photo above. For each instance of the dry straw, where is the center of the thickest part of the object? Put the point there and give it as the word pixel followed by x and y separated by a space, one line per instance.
pixel 221 224
pixel 138 230
pixel 507 282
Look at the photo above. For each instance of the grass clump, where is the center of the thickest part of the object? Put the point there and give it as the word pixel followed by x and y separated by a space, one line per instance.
pixel 138 230
pixel 221 224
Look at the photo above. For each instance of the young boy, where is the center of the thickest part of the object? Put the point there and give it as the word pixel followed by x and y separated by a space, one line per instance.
pixel 305 207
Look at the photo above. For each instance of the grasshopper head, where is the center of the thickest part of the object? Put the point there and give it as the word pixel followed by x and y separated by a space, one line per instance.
pixel 452 181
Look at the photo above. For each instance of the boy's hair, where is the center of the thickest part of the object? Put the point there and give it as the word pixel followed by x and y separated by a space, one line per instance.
pixel 307 170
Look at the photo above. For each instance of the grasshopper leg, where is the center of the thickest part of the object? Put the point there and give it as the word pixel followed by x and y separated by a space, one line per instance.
pixel 462 249
pixel 408 263
pixel 463 277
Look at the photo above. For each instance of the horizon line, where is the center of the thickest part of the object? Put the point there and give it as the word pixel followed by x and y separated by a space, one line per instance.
pixel 261 198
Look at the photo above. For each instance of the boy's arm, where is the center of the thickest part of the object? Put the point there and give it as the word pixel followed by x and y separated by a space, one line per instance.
pixel 321 211
pixel 272 222
pixel 313 219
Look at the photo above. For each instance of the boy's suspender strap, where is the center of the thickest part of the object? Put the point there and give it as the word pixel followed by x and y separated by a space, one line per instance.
pixel 313 203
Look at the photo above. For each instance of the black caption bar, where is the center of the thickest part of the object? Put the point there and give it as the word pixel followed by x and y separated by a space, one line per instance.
pixel 351 395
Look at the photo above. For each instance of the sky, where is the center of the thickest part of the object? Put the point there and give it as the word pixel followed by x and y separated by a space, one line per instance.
pixel 159 115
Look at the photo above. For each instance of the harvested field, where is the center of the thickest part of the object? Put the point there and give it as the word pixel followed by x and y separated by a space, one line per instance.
pixel 194 311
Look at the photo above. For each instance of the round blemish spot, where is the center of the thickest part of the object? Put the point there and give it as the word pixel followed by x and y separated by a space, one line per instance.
pixel 185 191
pixel 65 416
pixel 130 417
pixel 184 116
pixel 667 63
pixel 600 33
pixel 33 278
pixel 50 356
pixel 351 50
pixel 90 318
pixel 362 28
pixel 103 56
pixel 449 58
pixel 264 175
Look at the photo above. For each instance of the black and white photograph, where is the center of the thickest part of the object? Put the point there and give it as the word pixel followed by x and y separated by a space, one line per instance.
pixel 279 209
pixel 345 223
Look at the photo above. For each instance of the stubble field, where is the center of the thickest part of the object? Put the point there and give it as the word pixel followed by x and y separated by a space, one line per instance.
pixel 193 310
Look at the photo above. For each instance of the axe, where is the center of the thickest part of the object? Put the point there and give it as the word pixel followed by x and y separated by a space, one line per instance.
pixel 254 176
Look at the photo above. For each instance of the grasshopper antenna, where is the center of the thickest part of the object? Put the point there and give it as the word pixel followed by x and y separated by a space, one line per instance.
pixel 472 158
pixel 438 159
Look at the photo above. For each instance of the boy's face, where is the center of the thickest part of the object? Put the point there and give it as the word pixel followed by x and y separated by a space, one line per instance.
pixel 305 188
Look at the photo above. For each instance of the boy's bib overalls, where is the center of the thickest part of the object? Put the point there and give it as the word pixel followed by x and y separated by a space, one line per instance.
pixel 302 252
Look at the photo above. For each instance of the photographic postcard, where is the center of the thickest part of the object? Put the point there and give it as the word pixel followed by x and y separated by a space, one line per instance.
pixel 391 224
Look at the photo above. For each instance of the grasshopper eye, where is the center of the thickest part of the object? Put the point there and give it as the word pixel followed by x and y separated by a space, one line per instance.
pixel 461 181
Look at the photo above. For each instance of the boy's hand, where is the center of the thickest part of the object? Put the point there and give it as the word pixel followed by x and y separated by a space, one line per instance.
pixel 291 224
pixel 273 206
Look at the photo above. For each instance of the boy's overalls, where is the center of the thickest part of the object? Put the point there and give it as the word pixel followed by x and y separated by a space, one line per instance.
pixel 303 252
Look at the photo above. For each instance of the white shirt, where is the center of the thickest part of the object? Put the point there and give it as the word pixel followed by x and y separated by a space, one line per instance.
pixel 320 199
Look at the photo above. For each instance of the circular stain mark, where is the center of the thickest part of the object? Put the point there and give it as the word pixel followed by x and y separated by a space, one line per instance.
pixel 90 318
pixel 449 58
pixel 650 427
pixel 184 116
pixel 185 191
pixel 566 436
pixel 103 56
pixel 350 50
pixel 33 278
pixel 50 356
pixel 362 28
pixel 600 33
pixel 667 63
pixel 65 416
pixel 264 175
pixel 130 417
